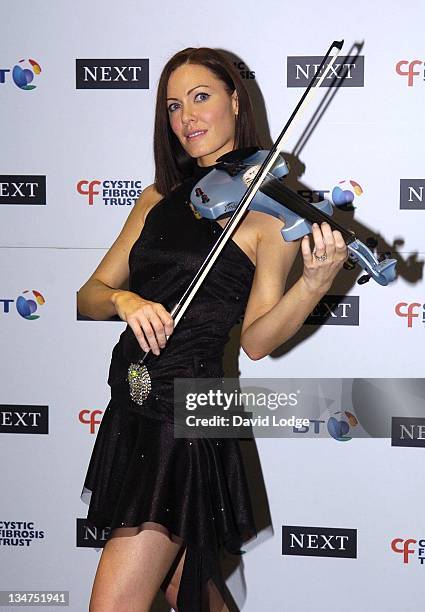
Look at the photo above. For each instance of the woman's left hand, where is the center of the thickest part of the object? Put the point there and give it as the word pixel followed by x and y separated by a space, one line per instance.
pixel 329 253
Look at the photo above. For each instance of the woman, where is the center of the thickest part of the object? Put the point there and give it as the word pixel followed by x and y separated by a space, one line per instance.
pixel 171 503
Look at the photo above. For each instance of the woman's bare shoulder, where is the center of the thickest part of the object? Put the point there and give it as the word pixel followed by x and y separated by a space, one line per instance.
pixel 113 270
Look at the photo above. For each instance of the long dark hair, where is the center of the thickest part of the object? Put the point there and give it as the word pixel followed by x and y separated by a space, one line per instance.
pixel 172 163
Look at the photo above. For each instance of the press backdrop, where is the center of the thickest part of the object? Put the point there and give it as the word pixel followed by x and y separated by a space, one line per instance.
pixel 77 90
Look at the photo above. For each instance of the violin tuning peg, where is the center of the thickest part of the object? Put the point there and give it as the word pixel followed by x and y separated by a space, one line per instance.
pixel 364 279
pixel 371 242
pixel 384 256
pixel 349 265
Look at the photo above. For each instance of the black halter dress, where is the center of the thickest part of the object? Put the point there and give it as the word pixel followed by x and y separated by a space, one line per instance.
pixel 139 472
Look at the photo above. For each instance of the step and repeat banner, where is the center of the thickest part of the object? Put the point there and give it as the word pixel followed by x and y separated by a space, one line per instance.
pixel 338 501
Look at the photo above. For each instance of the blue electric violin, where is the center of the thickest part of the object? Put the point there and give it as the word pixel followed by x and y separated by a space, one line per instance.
pixel 219 192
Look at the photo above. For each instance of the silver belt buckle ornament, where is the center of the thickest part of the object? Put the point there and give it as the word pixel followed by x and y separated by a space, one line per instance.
pixel 139 382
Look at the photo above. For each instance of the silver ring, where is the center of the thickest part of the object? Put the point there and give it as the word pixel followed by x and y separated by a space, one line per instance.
pixel 320 257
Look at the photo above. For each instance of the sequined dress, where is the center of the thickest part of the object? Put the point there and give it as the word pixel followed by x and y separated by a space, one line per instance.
pixel 139 471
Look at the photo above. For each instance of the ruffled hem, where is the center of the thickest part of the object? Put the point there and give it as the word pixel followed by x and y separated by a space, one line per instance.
pixel 196 490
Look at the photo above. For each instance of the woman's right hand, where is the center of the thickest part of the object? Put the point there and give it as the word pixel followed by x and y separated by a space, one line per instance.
pixel 150 321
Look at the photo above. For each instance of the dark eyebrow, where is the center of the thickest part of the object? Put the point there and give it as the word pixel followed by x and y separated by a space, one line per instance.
pixel 190 91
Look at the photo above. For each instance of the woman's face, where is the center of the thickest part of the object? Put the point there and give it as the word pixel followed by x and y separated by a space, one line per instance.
pixel 202 113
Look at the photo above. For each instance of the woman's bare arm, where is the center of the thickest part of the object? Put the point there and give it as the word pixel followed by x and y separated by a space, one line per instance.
pixel 96 298
pixel 273 316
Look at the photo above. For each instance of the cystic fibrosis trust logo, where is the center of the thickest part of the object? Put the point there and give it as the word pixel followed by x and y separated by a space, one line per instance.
pixel 406 547
pixel 410 70
pixel 89 417
pixel 410 311
pixel 114 193
pixel 244 71
pixel 23 74
pixel 19 533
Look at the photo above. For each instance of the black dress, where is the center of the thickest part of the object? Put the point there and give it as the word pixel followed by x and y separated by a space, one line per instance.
pixel 139 471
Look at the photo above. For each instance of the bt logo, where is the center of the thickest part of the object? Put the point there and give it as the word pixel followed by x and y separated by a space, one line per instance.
pixel 344 193
pixel 410 311
pixel 90 189
pixel 339 429
pixel 88 417
pixel 25 307
pixel 22 74
pixel 406 68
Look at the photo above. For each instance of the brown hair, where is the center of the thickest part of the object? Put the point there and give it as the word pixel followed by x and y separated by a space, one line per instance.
pixel 172 163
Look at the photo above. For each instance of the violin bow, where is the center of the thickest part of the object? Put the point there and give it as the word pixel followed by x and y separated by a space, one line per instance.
pixel 138 374
pixel 180 308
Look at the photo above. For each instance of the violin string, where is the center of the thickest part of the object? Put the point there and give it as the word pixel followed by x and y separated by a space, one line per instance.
pixel 279 192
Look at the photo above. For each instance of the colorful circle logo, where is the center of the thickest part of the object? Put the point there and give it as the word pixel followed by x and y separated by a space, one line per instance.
pixel 27 307
pixel 339 429
pixel 344 193
pixel 23 74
